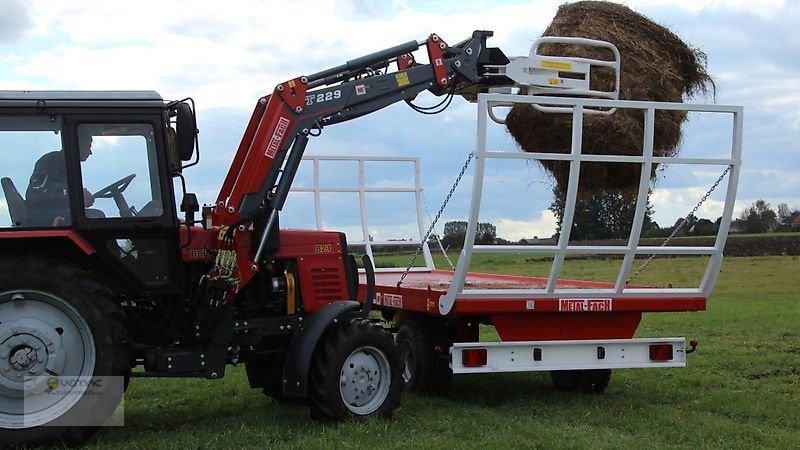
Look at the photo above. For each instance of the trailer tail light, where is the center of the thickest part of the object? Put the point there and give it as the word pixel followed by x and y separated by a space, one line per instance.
pixel 661 352
pixel 473 357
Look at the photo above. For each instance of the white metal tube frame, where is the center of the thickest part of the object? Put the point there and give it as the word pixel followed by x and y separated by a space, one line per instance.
pixel 363 190
pixel 562 249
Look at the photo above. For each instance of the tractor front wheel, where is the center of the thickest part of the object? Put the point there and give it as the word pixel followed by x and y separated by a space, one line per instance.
pixel 356 373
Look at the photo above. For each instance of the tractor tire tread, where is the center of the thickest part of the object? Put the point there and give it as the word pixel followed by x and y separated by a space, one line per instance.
pixel 334 347
pixel 432 374
pixel 96 304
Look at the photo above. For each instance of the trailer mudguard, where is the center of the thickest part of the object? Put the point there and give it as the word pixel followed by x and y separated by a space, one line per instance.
pixel 301 349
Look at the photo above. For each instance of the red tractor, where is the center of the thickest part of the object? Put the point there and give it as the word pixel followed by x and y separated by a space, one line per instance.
pixel 97 282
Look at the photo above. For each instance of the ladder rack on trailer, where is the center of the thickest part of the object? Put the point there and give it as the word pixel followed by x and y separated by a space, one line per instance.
pixel 553 323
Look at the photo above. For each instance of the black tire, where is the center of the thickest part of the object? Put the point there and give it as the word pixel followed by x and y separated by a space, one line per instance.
pixel 356 373
pixel 261 375
pixel 274 390
pixel 593 381
pixel 426 369
pixel 93 343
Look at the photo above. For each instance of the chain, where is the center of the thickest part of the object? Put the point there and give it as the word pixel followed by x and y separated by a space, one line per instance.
pixel 680 225
pixel 436 219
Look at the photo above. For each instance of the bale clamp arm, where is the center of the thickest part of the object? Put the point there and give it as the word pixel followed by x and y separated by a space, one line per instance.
pixel 548 75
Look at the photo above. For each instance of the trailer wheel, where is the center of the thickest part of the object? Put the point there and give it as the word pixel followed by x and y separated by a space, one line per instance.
pixel 275 391
pixel 589 381
pixel 426 371
pixel 356 373
pixel 63 355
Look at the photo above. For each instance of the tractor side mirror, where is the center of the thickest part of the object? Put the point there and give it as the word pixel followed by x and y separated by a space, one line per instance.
pixel 175 164
pixel 186 131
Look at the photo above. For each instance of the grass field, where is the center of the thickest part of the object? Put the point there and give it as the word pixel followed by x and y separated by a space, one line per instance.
pixel 741 389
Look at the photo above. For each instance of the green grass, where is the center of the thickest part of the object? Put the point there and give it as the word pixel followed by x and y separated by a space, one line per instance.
pixel 741 389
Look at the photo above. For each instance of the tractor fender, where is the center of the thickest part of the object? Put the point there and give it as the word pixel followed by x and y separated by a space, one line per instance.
pixel 27 238
pixel 301 348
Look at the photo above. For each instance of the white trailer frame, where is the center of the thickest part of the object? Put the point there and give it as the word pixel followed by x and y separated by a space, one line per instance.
pixel 363 190
pixel 578 106
pixel 514 356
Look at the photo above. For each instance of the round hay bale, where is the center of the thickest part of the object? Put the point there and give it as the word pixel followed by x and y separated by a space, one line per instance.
pixel 656 65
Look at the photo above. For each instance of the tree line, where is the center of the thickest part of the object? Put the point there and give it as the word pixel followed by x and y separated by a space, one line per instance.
pixel 609 215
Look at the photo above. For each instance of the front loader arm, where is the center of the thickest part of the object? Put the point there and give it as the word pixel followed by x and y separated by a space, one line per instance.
pixel 276 136
pixel 298 106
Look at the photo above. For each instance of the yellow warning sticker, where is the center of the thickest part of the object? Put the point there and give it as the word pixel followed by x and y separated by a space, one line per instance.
pixel 554 81
pixel 402 79
pixel 555 65
pixel 291 84
pixel 222 231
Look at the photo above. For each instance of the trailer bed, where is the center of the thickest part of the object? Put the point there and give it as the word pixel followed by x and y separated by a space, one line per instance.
pixel 496 294
pixel 544 322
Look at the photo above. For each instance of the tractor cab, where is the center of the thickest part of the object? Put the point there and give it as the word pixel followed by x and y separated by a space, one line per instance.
pixel 93 168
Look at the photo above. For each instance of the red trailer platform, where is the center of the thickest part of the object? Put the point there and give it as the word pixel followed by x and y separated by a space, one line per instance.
pixel 577 330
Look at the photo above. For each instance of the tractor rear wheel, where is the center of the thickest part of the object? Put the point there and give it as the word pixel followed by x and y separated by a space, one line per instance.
pixel 593 381
pixel 63 355
pixel 356 373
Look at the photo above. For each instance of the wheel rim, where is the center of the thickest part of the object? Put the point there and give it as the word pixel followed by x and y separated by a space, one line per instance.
pixel 47 357
pixel 364 380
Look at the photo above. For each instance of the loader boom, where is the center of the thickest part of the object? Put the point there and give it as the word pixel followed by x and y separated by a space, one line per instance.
pixel 276 136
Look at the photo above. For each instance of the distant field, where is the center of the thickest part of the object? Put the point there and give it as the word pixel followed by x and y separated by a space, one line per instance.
pixel 741 389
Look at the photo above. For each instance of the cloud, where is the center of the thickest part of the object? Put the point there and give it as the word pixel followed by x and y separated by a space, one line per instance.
pixel 15 21
pixel 794 119
pixel 760 8
pixel 5 217
pixel 672 204
pixel 228 55
pixel 772 182
pixel 514 230
pixel 231 55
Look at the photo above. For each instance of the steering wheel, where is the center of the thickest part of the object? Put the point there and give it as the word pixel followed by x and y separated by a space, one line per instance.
pixel 114 188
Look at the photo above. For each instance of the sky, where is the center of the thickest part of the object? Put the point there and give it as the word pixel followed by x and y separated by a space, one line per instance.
pixel 226 55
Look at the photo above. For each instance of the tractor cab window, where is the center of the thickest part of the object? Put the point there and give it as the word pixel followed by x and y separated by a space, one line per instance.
pixel 119 171
pixel 33 172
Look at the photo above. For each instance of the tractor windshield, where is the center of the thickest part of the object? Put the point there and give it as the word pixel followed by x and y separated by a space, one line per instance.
pixel 119 171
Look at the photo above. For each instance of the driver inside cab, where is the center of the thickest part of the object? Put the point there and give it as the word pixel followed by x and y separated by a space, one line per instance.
pixel 47 196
